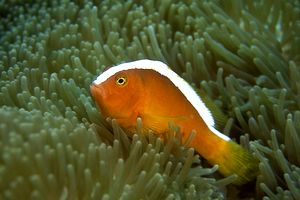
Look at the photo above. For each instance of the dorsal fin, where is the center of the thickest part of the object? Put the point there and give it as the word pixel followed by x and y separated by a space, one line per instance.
pixel 220 118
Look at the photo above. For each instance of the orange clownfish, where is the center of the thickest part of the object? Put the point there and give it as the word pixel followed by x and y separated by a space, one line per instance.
pixel 152 91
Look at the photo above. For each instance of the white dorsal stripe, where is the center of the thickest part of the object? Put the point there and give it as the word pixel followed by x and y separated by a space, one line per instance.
pixel 179 82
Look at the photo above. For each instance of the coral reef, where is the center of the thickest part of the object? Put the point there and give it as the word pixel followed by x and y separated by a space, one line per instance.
pixel 55 144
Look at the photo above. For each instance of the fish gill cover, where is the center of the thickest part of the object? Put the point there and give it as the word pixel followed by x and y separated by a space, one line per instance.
pixel 55 144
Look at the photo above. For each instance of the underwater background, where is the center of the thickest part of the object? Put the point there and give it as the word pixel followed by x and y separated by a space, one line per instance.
pixel 55 144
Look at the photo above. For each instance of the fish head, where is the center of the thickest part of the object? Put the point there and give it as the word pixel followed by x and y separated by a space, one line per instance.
pixel 118 94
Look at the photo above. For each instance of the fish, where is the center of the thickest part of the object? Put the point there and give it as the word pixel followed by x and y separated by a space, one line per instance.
pixel 150 90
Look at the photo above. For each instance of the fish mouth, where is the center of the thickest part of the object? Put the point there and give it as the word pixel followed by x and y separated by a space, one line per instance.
pixel 98 93
pixel 93 89
pixel 96 89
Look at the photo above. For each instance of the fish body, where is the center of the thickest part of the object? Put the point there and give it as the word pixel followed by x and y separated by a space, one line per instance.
pixel 152 91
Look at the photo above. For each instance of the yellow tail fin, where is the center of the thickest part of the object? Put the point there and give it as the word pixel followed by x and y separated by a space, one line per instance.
pixel 234 159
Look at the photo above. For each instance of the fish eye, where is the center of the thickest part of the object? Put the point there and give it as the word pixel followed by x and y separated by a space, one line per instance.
pixel 121 80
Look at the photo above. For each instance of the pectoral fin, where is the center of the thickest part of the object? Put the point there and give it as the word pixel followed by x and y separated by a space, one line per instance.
pixel 160 124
